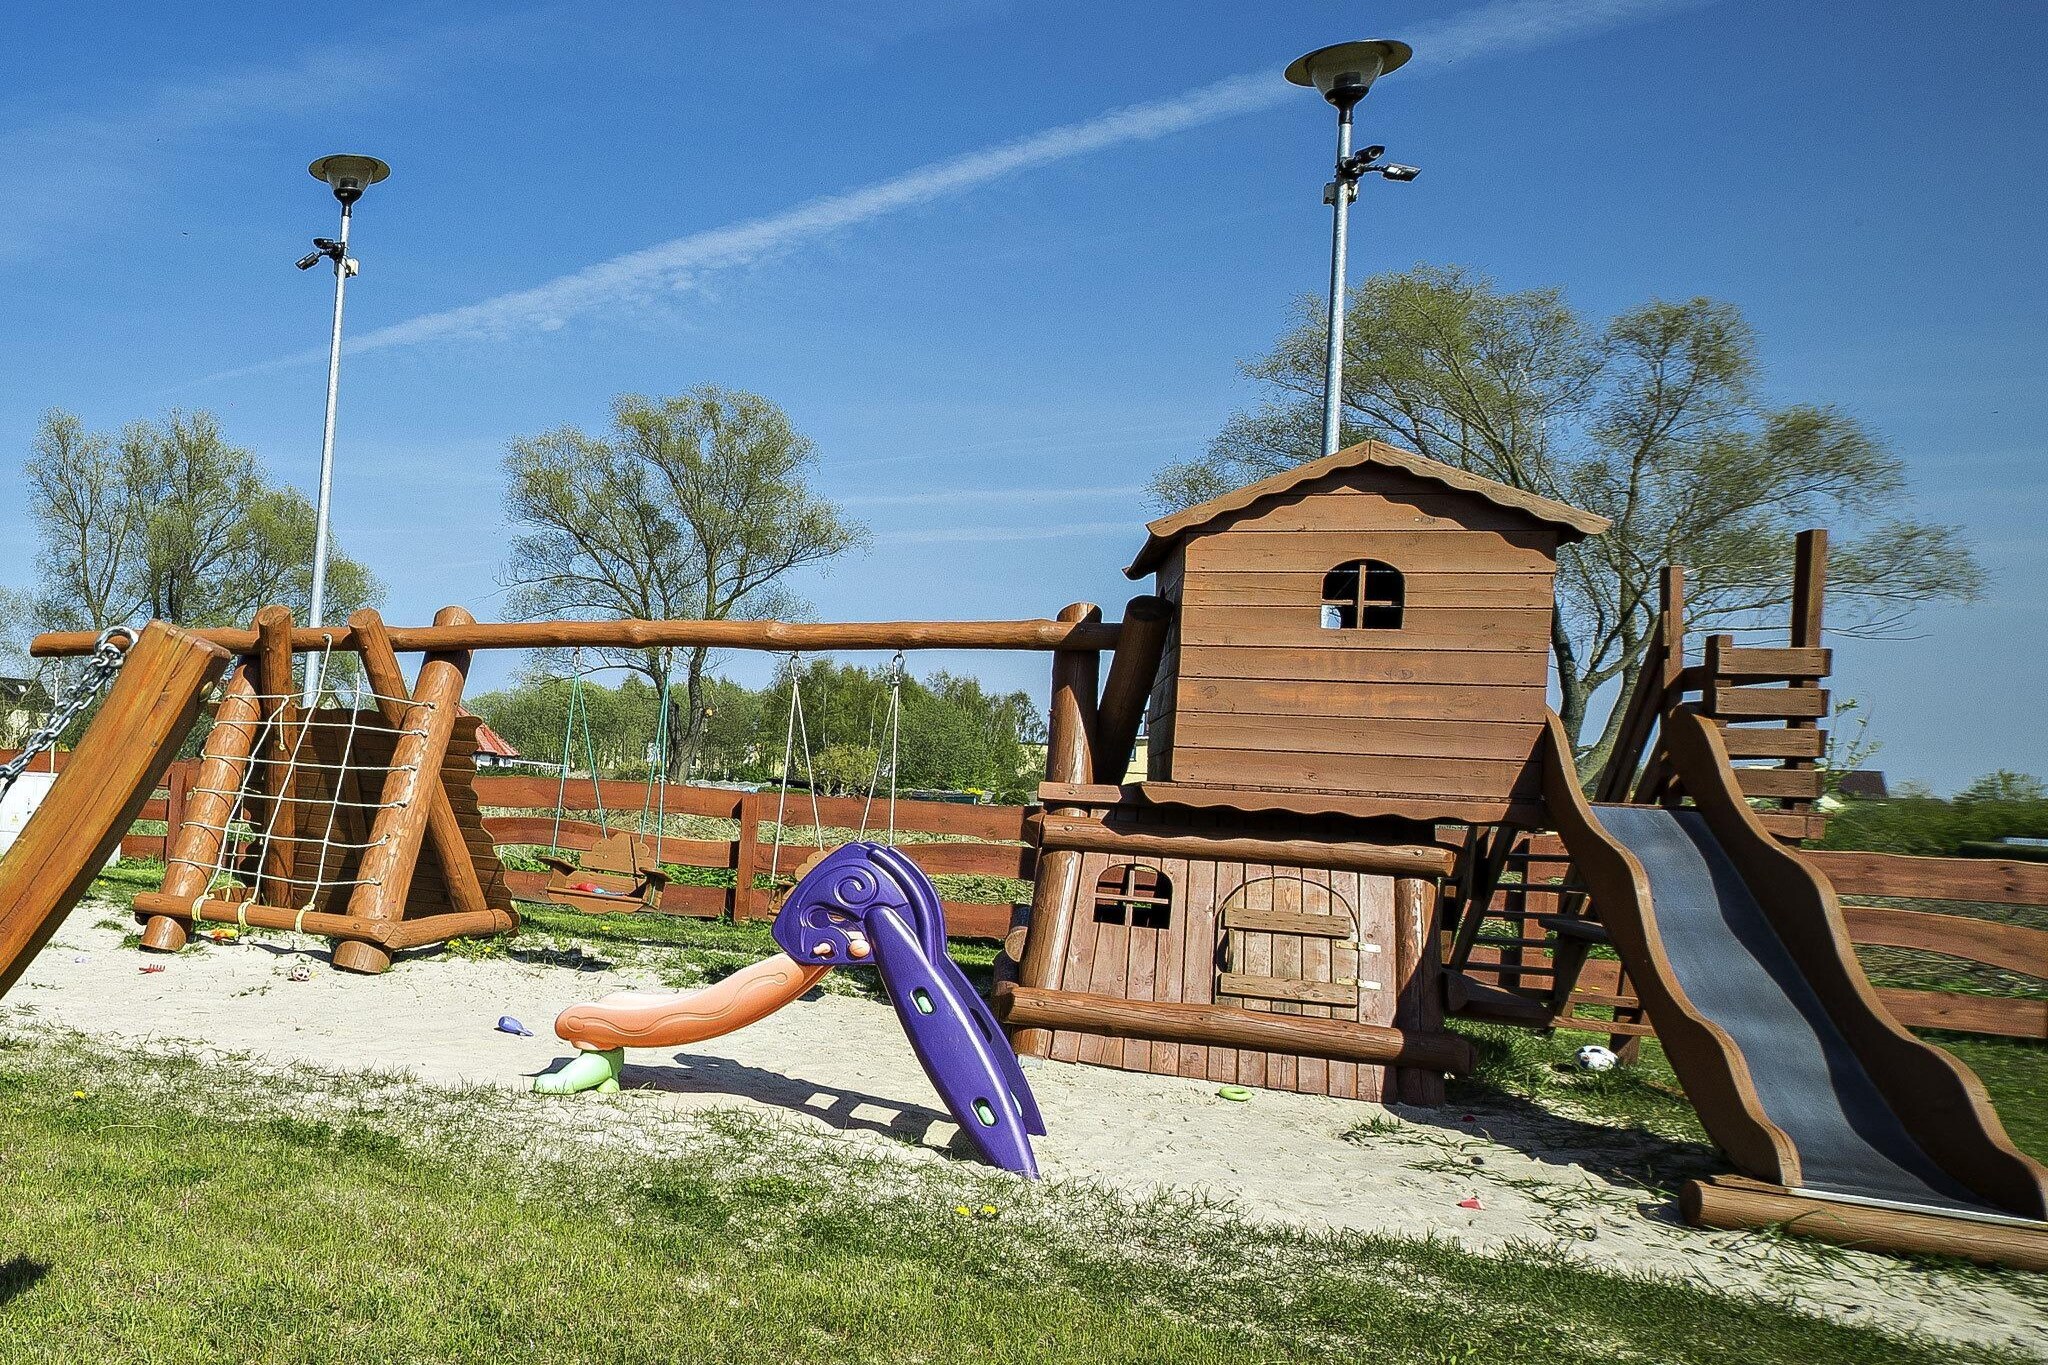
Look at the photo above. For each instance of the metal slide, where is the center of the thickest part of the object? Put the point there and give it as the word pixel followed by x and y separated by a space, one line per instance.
pixel 1738 949
pixel 1736 971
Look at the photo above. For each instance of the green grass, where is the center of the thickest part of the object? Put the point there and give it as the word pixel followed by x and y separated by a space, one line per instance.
pixel 182 1212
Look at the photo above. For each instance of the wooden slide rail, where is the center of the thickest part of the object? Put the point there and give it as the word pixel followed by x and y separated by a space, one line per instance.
pixel 122 756
pixel 1941 1102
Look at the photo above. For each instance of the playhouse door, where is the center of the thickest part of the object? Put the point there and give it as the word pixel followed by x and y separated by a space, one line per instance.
pixel 1289 946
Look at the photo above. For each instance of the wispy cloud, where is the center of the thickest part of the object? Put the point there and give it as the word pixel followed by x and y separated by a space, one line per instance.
pixel 657 271
pixel 954 496
pixel 978 534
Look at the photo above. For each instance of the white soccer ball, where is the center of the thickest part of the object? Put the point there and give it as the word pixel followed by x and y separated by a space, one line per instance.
pixel 1593 1057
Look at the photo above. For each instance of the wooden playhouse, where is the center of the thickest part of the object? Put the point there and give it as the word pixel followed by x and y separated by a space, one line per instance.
pixel 1355 666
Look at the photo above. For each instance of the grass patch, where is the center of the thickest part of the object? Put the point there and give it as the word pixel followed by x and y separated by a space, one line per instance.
pixel 182 1212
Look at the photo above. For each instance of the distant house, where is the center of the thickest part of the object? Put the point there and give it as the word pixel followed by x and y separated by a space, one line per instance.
pixel 493 750
pixel 1865 784
pixel 24 705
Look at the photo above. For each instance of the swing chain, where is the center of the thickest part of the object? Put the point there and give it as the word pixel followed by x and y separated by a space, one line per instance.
pixel 106 661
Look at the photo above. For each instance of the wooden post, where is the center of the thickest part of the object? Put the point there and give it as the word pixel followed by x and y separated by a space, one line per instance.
pixel 401 828
pixel 1671 637
pixel 1809 596
pixel 274 689
pixel 444 828
pixel 744 854
pixel 1069 757
pixel 177 786
pixel 1132 669
pixel 94 800
pixel 1418 976
pixel 223 767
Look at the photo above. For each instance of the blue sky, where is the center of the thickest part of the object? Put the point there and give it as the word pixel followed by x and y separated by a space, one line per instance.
pixel 996 303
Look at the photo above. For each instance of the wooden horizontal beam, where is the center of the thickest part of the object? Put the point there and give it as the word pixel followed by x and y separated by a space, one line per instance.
pixel 1770 665
pixel 1767 703
pixel 1806 782
pixel 385 933
pixel 1750 741
pixel 1084 835
pixel 1733 1202
pixel 1222 1026
pixel 767 635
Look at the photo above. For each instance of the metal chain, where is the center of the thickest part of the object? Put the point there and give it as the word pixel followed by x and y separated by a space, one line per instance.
pixel 106 661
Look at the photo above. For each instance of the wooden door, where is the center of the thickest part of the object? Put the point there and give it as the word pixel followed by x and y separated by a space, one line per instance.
pixel 1289 946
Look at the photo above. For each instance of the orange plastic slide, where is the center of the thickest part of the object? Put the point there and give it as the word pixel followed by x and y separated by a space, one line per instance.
pixel 668 1019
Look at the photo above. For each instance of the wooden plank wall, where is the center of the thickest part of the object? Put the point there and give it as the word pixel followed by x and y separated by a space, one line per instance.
pixel 1179 964
pixel 1451 704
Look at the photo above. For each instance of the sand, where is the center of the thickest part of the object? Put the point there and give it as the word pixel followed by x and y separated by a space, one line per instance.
pixel 842 1064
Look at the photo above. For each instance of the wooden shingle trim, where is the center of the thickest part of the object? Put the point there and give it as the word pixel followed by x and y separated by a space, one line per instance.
pixel 1163 533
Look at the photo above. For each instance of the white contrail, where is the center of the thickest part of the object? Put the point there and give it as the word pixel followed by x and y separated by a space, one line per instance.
pixel 673 265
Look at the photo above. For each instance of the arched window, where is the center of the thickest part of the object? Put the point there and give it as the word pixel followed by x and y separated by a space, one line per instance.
pixel 1364 594
pixel 1132 894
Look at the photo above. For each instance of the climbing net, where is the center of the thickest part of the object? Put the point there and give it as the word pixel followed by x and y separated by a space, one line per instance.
pixel 292 799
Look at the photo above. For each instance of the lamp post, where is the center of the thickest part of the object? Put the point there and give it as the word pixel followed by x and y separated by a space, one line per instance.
pixel 348 176
pixel 1343 73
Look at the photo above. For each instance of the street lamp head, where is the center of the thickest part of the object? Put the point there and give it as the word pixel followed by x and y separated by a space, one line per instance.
pixel 1343 72
pixel 349 175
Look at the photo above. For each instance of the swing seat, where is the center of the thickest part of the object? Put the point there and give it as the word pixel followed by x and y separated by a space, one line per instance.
pixel 619 875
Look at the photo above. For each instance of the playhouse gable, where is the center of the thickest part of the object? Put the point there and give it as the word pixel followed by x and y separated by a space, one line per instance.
pixel 1366 635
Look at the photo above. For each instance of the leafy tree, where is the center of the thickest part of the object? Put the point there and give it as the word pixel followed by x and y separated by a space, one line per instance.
pixel 2005 785
pixel 167 520
pixel 1653 420
pixel 692 507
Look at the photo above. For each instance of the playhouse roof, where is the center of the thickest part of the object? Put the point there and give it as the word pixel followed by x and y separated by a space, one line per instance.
pixel 1165 531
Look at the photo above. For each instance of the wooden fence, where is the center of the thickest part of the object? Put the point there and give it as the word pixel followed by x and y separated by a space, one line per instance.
pixel 1513 953
pixel 985 840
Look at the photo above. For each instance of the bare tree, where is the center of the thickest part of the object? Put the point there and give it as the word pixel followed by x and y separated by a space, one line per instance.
pixel 1652 421
pixel 694 507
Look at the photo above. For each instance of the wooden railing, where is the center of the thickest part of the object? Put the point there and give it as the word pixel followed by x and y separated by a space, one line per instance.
pixel 1738 688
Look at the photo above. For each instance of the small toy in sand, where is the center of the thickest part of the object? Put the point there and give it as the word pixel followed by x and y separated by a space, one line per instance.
pixel 507 1024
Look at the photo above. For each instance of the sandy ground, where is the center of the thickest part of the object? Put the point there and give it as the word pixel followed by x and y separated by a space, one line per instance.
pixel 843 1065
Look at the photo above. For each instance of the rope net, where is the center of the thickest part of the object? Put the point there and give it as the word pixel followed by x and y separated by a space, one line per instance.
pixel 301 821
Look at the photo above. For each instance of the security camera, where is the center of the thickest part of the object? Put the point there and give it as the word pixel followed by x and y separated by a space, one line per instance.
pixel 1397 171
pixel 309 260
pixel 1373 154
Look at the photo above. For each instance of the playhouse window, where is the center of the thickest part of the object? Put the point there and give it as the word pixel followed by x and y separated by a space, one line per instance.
pixel 1141 897
pixel 1364 594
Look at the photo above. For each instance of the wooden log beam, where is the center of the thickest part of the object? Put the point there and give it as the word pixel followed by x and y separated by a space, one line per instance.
pixel 118 762
pixel 388 865
pixel 1069 757
pixel 273 665
pixel 1090 635
pixel 223 767
pixel 1140 644
pixel 1418 977
pixel 1735 1203
pixel 444 829
pixel 387 935
pixel 1025 1007
pixel 1084 835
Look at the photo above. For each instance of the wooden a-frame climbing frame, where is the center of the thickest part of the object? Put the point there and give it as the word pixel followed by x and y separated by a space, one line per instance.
pixel 356 823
